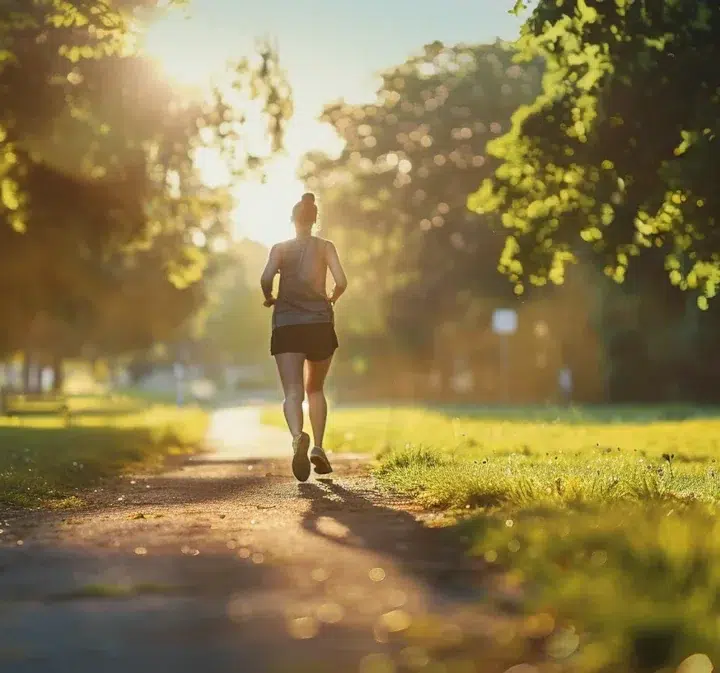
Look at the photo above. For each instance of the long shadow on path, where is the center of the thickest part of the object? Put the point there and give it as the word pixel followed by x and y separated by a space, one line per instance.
pixel 221 573
pixel 433 555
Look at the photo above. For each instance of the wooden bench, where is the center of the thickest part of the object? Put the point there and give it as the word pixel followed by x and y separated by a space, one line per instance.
pixel 17 403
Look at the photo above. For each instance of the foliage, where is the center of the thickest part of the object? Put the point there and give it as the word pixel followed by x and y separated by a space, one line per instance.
pixel 605 518
pixel 395 198
pixel 424 271
pixel 616 155
pixel 44 463
pixel 111 221
pixel 236 325
pixel 613 587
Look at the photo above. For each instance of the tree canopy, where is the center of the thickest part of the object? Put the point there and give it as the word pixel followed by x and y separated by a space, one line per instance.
pixel 425 267
pixel 396 196
pixel 107 217
pixel 617 155
pixel 236 326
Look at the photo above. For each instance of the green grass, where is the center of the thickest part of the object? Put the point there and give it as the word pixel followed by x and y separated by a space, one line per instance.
pixel 607 518
pixel 44 462
pixel 117 591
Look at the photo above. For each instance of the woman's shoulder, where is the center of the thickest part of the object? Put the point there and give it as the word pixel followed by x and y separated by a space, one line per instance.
pixel 283 246
pixel 325 242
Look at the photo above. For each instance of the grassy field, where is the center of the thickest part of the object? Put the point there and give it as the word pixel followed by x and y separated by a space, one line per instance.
pixel 44 462
pixel 606 519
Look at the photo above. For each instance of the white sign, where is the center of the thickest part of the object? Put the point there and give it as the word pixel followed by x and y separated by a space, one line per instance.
pixel 504 321
pixel 565 380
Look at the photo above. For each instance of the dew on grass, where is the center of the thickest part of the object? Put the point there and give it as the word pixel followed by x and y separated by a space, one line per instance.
pixel 696 663
pixel 599 558
pixel 396 620
pixel 563 644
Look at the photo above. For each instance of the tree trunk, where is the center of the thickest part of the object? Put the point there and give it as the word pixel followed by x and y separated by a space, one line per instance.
pixel 58 382
pixel 27 371
pixel 36 377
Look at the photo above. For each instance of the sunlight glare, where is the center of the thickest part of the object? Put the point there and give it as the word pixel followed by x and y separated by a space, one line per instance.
pixel 214 172
pixel 165 41
pixel 263 211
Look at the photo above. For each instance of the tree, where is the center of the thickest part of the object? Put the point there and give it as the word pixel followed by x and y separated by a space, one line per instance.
pixel 396 195
pixel 424 271
pixel 617 154
pixel 110 222
pixel 236 325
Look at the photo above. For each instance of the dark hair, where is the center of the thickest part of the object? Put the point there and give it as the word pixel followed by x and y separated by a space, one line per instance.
pixel 305 211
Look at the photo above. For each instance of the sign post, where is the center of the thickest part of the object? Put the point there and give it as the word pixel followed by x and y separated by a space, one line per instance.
pixel 179 372
pixel 505 324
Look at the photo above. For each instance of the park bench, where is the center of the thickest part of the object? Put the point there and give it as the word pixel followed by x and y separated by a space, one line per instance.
pixel 19 403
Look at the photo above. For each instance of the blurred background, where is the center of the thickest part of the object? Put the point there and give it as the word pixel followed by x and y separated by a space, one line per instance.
pixel 151 155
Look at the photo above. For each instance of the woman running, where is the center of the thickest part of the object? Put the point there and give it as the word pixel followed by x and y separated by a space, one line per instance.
pixel 303 330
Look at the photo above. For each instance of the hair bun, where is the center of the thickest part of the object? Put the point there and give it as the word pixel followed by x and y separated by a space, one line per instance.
pixel 308 198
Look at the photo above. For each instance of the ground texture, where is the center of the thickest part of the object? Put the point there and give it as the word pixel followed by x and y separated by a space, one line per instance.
pixel 224 562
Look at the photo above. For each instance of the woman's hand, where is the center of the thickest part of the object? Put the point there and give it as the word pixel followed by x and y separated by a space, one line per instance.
pixel 269 302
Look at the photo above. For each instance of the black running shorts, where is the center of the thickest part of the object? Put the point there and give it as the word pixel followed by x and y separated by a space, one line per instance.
pixel 316 341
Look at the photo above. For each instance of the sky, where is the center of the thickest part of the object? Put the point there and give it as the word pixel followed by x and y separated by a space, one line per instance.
pixel 330 49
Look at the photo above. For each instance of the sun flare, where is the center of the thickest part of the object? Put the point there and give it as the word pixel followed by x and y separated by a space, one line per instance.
pixel 262 211
pixel 167 42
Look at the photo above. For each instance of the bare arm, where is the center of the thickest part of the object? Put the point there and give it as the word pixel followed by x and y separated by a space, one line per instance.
pixel 337 271
pixel 268 275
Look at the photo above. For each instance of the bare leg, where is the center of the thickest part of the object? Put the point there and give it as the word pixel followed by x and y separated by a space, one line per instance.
pixel 290 368
pixel 314 385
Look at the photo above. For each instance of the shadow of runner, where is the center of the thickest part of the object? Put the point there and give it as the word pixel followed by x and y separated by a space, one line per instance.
pixel 168 609
pixel 434 555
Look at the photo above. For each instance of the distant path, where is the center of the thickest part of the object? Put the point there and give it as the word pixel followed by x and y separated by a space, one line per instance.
pixel 226 563
pixel 236 433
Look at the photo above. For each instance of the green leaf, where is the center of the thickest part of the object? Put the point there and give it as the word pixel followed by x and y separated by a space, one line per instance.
pixel 9 194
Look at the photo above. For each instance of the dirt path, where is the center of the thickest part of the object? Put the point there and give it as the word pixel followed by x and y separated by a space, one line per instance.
pixel 227 564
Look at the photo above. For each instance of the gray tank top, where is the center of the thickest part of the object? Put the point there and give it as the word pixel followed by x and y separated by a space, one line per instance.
pixel 302 294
